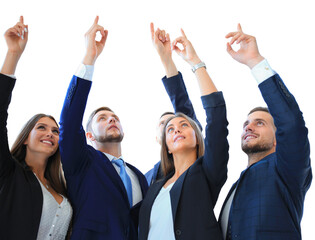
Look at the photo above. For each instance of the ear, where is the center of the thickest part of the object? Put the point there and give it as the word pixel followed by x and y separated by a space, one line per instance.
pixel 89 136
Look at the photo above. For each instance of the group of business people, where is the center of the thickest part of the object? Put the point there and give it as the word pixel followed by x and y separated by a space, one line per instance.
pixel 104 197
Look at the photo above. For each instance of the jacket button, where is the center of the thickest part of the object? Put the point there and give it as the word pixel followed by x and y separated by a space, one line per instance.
pixel 178 232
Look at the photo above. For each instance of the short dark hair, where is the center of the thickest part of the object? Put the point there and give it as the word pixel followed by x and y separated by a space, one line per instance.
pixel 167 113
pixel 257 109
pixel 88 125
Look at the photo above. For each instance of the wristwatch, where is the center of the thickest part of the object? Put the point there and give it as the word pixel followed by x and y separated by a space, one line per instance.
pixel 199 65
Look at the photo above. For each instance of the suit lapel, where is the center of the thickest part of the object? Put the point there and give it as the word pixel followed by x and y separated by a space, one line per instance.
pixel 176 191
pixel 113 175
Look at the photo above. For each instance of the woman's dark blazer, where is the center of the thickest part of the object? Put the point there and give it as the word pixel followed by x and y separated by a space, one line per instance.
pixel 194 194
pixel 21 196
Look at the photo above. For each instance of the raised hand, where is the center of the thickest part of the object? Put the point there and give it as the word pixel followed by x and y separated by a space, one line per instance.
pixel 161 42
pixel 94 48
pixel 188 52
pixel 248 53
pixel 16 37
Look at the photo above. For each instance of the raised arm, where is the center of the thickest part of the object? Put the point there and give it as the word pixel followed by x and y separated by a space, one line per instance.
pixel 16 39
pixel 73 145
pixel 173 81
pixel 216 144
pixel 292 144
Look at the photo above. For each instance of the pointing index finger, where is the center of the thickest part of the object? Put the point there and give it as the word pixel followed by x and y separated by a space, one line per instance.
pixel 152 30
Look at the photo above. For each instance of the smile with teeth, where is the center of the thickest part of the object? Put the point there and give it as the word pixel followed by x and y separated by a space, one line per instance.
pixel 47 142
pixel 179 138
pixel 250 136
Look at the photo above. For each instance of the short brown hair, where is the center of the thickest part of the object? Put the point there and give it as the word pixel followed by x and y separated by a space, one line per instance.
pixel 167 161
pixel 257 109
pixel 88 124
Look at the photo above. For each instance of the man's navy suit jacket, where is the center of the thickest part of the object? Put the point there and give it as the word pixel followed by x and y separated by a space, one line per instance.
pixel 97 194
pixel 269 196
pixel 177 92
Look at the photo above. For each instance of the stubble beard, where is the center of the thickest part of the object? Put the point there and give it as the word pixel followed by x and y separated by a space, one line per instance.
pixel 257 148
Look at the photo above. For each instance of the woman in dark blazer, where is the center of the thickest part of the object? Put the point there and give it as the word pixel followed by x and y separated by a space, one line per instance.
pixel 32 189
pixel 180 206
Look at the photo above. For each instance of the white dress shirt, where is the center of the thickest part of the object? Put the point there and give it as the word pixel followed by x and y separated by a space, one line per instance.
pixel 136 189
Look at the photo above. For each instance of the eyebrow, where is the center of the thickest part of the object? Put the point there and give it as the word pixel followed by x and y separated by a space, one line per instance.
pixel 106 115
pixel 255 120
pixel 40 123
pixel 184 120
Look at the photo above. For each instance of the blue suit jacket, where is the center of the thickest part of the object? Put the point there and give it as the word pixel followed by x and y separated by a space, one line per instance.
pixel 98 196
pixel 176 90
pixel 268 202
pixel 194 194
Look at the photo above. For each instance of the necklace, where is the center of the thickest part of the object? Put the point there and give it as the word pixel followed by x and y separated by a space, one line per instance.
pixel 45 184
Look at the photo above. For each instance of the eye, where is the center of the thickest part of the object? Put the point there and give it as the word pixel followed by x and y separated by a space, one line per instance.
pixel 185 125
pixel 41 127
pixel 260 123
pixel 170 130
pixel 56 131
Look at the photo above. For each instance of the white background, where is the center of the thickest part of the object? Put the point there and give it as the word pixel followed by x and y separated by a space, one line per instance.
pixel 128 74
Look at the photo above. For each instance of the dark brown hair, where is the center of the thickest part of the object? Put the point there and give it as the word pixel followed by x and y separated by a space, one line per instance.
pixel 53 171
pixel 261 109
pixel 167 161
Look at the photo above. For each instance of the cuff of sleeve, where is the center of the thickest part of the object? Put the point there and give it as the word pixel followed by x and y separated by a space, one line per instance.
pixel 9 75
pixel 262 71
pixel 85 72
pixel 214 99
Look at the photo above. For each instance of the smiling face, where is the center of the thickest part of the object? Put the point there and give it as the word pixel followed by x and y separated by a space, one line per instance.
pixel 180 136
pixel 106 127
pixel 43 138
pixel 259 133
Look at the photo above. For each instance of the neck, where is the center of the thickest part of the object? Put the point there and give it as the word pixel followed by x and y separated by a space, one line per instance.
pixel 256 157
pixel 37 162
pixel 112 148
pixel 182 161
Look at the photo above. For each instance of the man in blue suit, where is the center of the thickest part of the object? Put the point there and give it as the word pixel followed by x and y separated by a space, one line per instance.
pixel 267 200
pixel 105 191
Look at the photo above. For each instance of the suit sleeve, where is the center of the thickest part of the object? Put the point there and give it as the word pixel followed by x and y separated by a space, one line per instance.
pixel 293 148
pixel 176 90
pixel 6 161
pixel 72 140
pixel 216 144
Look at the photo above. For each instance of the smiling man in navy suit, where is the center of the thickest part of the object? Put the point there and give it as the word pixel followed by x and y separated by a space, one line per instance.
pixel 105 191
pixel 267 200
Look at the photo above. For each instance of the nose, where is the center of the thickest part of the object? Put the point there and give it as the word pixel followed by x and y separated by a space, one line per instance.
pixel 177 130
pixel 111 120
pixel 50 134
pixel 249 127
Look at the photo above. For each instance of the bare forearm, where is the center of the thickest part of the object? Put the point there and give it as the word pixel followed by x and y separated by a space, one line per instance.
pixel 10 63
pixel 206 84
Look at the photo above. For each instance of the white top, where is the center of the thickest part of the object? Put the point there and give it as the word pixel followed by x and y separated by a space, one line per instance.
pixel 136 189
pixel 161 218
pixel 55 219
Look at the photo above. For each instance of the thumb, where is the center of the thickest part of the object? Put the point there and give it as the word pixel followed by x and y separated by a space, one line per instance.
pixel 230 50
